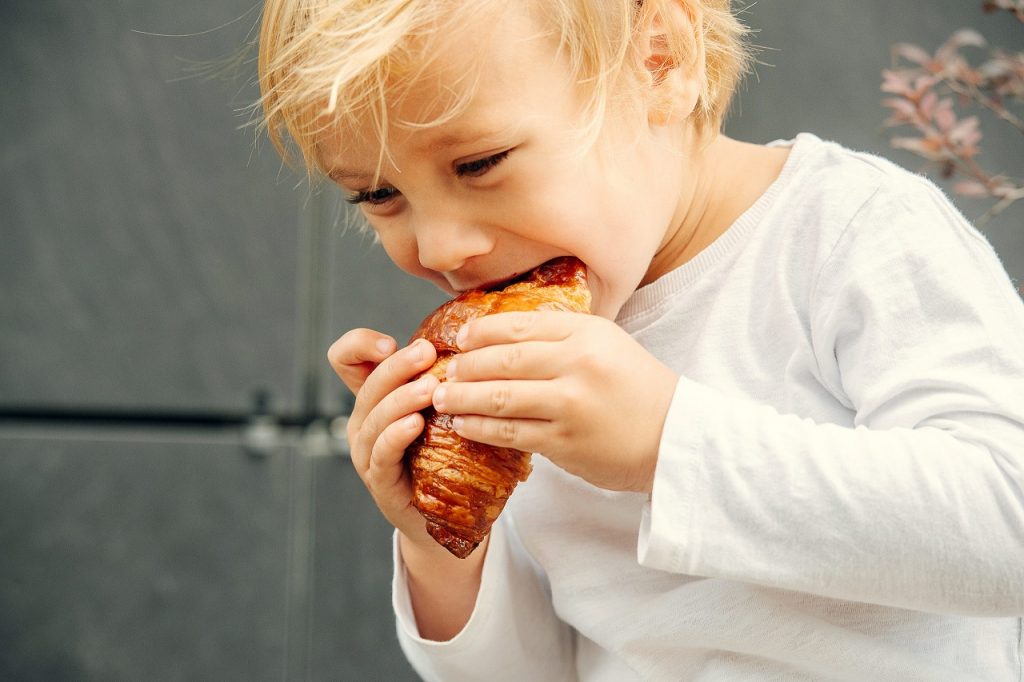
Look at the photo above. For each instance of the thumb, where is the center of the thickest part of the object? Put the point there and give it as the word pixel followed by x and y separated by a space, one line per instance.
pixel 357 353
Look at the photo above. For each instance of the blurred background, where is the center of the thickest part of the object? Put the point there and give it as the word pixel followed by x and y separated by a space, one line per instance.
pixel 175 499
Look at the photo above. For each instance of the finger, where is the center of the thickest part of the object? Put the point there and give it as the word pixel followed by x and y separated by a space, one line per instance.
pixel 396 370
pixel 537 325
pixel 513 399
pixel 386 467
pixel 526 360
pixel 404 401
pixel 529 435
pixel 357 353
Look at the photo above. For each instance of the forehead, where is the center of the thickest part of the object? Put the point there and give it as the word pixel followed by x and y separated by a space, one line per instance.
pixel 480 77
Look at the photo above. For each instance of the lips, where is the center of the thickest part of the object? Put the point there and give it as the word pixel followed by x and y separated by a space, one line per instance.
pixel 490 285
pixel 497 284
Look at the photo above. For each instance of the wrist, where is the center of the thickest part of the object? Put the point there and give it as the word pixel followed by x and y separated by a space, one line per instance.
pixel 421 553
pixel 442 588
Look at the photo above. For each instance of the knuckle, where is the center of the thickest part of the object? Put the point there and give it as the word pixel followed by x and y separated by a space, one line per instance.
pixel 371 476
pixel 508 429
pixel 352 431
pixel 391 404
pixel 500 399
pixel 590 360
pixel 334 354
pixel 572 393
pixel 510 357
pixel 360 462
pixel 563 431
pixel 360 450
pixel 390 439
pixel 366 436
pixel 374 467
pixel 392 375
pixel 338 352
pixel 521 323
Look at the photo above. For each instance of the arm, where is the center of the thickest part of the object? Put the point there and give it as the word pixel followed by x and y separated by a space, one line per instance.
pixel 912 518
pixel 442 588
pixel 485 617
pixel 920 504
pixel 512 632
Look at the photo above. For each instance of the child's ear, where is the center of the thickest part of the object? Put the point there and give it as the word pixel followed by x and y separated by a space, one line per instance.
pixel 672 49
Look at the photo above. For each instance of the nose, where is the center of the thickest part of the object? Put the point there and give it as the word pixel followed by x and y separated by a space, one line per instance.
pixel 447 239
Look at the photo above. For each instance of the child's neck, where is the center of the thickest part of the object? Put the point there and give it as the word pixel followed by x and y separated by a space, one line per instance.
pixel 716 197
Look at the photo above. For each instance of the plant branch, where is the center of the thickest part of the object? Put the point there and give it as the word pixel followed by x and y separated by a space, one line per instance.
pixel 984 100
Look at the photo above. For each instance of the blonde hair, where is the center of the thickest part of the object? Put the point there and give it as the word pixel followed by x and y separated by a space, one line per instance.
pixel 330 63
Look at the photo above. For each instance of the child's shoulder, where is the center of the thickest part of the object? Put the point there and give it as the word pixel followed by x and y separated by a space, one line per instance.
pixel 827 171
pixel 849 215
pixel 834 190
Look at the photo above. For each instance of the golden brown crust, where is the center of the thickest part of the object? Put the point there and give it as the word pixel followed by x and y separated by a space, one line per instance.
pixel 461 486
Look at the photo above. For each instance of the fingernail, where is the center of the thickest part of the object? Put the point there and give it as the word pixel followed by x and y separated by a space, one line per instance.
pixel 384 345
pixel 460 338
pixel 439 395
pixel 418 351
pixel 449 372
pixel 457 422
pixel 410 422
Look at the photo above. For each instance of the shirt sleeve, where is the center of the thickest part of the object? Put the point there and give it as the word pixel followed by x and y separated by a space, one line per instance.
pixel 920 503
pixel 512 634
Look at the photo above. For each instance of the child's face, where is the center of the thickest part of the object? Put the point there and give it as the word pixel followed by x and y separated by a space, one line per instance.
pixel 500 188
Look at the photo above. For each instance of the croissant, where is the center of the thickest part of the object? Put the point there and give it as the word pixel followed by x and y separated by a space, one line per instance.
pixel 460 486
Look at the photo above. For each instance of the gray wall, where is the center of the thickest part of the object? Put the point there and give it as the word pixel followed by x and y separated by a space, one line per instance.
pixel 820 72
pixel 163 284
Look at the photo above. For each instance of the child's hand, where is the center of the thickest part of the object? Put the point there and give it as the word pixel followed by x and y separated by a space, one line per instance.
pixel 574 387
pixel 385 419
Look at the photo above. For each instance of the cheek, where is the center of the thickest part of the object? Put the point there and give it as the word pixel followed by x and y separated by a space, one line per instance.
pixel 401 251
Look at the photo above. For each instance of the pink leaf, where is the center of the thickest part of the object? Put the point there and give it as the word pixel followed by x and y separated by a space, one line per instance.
pixel 929 148
pixel 928 103
pixel 971 188
pixel 947 53
pixel 922 84
pixel 911 53
pixel 967 37
pixel 902 108
pixel 966 131
pixel 944 116
pixel 896 82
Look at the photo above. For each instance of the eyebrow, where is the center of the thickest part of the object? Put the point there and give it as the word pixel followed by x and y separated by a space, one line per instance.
pixel 337 174
pixel 450 140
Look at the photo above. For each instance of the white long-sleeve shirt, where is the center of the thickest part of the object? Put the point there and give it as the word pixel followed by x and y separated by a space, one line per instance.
pixel 839 491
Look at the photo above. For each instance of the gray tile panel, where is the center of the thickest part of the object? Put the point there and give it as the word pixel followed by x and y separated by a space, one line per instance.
pixel 172 554
pixel 141 555
pixel 147 254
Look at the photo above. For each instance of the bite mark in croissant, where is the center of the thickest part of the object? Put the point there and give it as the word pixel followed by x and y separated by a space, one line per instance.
pixel 460 486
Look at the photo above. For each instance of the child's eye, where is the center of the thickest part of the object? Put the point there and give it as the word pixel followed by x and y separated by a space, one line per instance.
pixel 374 197
pixel 474 169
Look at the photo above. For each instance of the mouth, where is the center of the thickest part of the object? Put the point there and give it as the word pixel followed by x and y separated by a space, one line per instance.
pixel 499 284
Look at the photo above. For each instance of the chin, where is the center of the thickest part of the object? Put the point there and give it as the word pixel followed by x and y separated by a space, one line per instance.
pixel 608 312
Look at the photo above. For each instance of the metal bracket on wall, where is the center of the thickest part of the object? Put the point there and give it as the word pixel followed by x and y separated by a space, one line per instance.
pixel 326 438
pixel 264 435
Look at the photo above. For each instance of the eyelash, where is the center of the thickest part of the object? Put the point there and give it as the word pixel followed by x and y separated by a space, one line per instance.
pixel 477 168
pixel 375 197
pixel 472 169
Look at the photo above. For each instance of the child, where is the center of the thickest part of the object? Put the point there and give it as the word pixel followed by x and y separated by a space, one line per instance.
pixel 789 444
